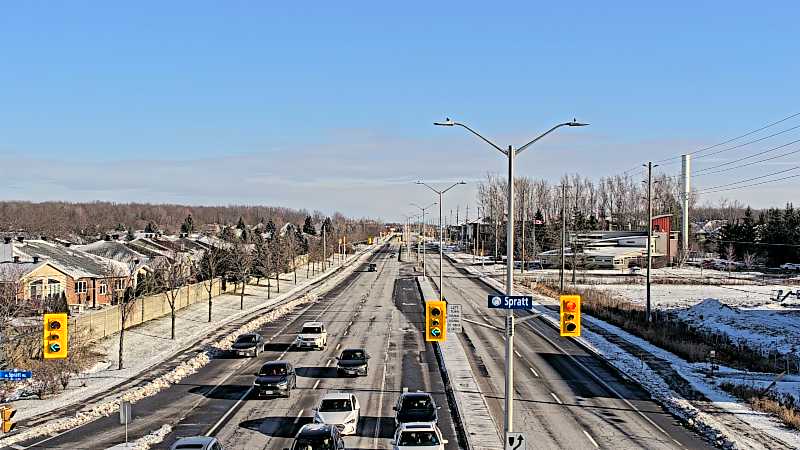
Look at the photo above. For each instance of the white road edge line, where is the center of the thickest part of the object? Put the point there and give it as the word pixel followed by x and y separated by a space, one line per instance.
pixel 535 373
pixel 230 411
pixel 600 380
pixel 591 438
pixel 555 397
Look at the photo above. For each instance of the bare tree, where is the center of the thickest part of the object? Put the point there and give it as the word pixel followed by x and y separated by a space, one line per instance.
pixel 730 256
pixel 241 260
pixel 209 267
pixel 750 260
pixel 120 283
pixel 173 274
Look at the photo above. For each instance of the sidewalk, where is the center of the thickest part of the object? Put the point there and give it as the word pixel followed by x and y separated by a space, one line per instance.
pixel 149 344
pixel 471 406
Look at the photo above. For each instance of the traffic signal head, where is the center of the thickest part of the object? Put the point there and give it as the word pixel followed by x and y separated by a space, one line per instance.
pixel 6 414
pixel 435 320
pixel 570 315
pixel 55 336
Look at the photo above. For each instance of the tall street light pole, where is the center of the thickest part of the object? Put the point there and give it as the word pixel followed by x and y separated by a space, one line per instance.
pixel 441 233
pixel 510 153
pixel 422 233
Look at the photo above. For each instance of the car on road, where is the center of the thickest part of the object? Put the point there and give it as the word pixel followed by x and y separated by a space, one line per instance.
pixel 312 335
pixel 372 267
pixel 415 407
pixel 248 344
pixel 316 436
pixel 792 267
pixel 196 443
pixel 353 361
pixel 275 378
pixel 339 409
pixel 418 436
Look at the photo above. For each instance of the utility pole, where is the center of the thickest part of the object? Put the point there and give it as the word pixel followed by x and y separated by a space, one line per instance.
pixel 563 233
pixel 324 247
pixel 650 234
pixel 686 172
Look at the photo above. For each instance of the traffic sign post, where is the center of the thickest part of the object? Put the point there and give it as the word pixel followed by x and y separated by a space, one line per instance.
pixel 454 318
pixel 515 441
pixel 125 416
pixel 510 302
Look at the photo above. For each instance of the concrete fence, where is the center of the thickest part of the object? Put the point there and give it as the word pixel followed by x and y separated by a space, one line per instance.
pixel 107 321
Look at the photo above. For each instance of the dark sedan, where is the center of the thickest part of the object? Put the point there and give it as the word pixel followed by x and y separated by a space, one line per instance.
pixel 249 344
pixel 275 378
pixel 353 361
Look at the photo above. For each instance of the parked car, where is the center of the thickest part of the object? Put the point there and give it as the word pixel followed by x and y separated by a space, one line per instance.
pixel 312 335
pixel 339 409
pixel 316 436
pixel 275 378
pixel 418 436
pixel 197 443
pixel 415 407
pixel 792 267
pixel 353 361
pixel 249 344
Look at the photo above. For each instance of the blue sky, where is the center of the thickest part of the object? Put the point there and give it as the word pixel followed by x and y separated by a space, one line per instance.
pixel 329 106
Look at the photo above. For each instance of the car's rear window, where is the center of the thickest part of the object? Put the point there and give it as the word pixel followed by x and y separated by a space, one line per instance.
pixel 312 330
pixel 188 446
pixel 417 403
pixel 246 339
pixel 325 443
pixel 418 438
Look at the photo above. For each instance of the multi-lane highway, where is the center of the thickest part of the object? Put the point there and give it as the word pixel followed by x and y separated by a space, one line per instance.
pixel 565 396
pixel 380 311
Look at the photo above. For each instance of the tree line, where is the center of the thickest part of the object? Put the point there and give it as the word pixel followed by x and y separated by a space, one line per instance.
pixel 772 238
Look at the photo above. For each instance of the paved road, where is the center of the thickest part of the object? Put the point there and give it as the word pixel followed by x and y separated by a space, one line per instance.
pixel 377 310
pixel 559 403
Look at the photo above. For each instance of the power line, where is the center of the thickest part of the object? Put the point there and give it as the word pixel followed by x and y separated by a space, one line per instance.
pixel 748 143
pixel 749 156
pixel 748 164
pixel 735 138
pixel 750 179
pixel 752 185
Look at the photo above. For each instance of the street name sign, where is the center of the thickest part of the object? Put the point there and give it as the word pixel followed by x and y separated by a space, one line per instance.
pixel 510 301
pixel 454 318
pixel 15 375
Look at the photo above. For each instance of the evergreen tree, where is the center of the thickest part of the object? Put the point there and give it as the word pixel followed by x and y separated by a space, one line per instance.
pixel 227 234
pixel 327 225
pixel 188 225
pixel 539 216
pixel 241 225
pixel 308 227
pixel 270 228
pixel 592 224
pixel 130 236
pixel 119 227
pixel 151 228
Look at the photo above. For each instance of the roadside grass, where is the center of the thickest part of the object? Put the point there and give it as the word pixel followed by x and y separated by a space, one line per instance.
pixel 784 406
pixel 673 334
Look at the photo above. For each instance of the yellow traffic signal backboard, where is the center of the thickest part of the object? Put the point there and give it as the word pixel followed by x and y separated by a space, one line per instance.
pixel 55 336
pixel 570 315
pixel 435 320
pixel 6 414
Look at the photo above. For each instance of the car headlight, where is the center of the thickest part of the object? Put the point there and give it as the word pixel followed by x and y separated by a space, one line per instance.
pixel 283 384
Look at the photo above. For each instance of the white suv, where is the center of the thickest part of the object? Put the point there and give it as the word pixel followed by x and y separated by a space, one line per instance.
pixel 313 335
pixel 418 436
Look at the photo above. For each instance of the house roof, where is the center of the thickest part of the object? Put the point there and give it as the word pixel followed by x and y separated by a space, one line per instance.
pixel 75 263
pixel 115 250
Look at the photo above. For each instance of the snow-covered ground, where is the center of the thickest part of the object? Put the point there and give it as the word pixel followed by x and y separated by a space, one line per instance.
pixel 724 419
pixel 668 296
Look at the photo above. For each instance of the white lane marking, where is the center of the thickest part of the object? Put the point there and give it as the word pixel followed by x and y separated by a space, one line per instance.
pixel 517 353
pixel 337 346
pixel 600 380
pixel 591 439
pixel 300 414
pixel 383 381
pixel 535 373
pixel 558 400
pixel 230 411
pixel 316 384
pixel 328 364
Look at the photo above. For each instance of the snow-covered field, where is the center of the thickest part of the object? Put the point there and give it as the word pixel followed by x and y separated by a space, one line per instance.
pixel 669 296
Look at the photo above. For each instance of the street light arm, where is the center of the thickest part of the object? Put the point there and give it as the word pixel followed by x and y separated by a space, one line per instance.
pixel 427 186
pixel 519 150
pixel 451 123
pixel 451 187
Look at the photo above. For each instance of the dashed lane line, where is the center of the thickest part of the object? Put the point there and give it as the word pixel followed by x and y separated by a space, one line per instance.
pixel 555 397
pixel 591 439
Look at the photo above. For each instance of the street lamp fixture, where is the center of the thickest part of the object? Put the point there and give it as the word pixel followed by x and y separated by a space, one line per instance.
pixel 422 232
pixel 441 232
pixel 510 152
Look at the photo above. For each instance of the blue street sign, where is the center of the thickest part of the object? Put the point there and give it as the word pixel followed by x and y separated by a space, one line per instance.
pixel 511 301
pixel 15 375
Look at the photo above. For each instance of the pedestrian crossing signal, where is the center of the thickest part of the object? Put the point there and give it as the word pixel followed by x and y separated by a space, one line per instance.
pixel 570 315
